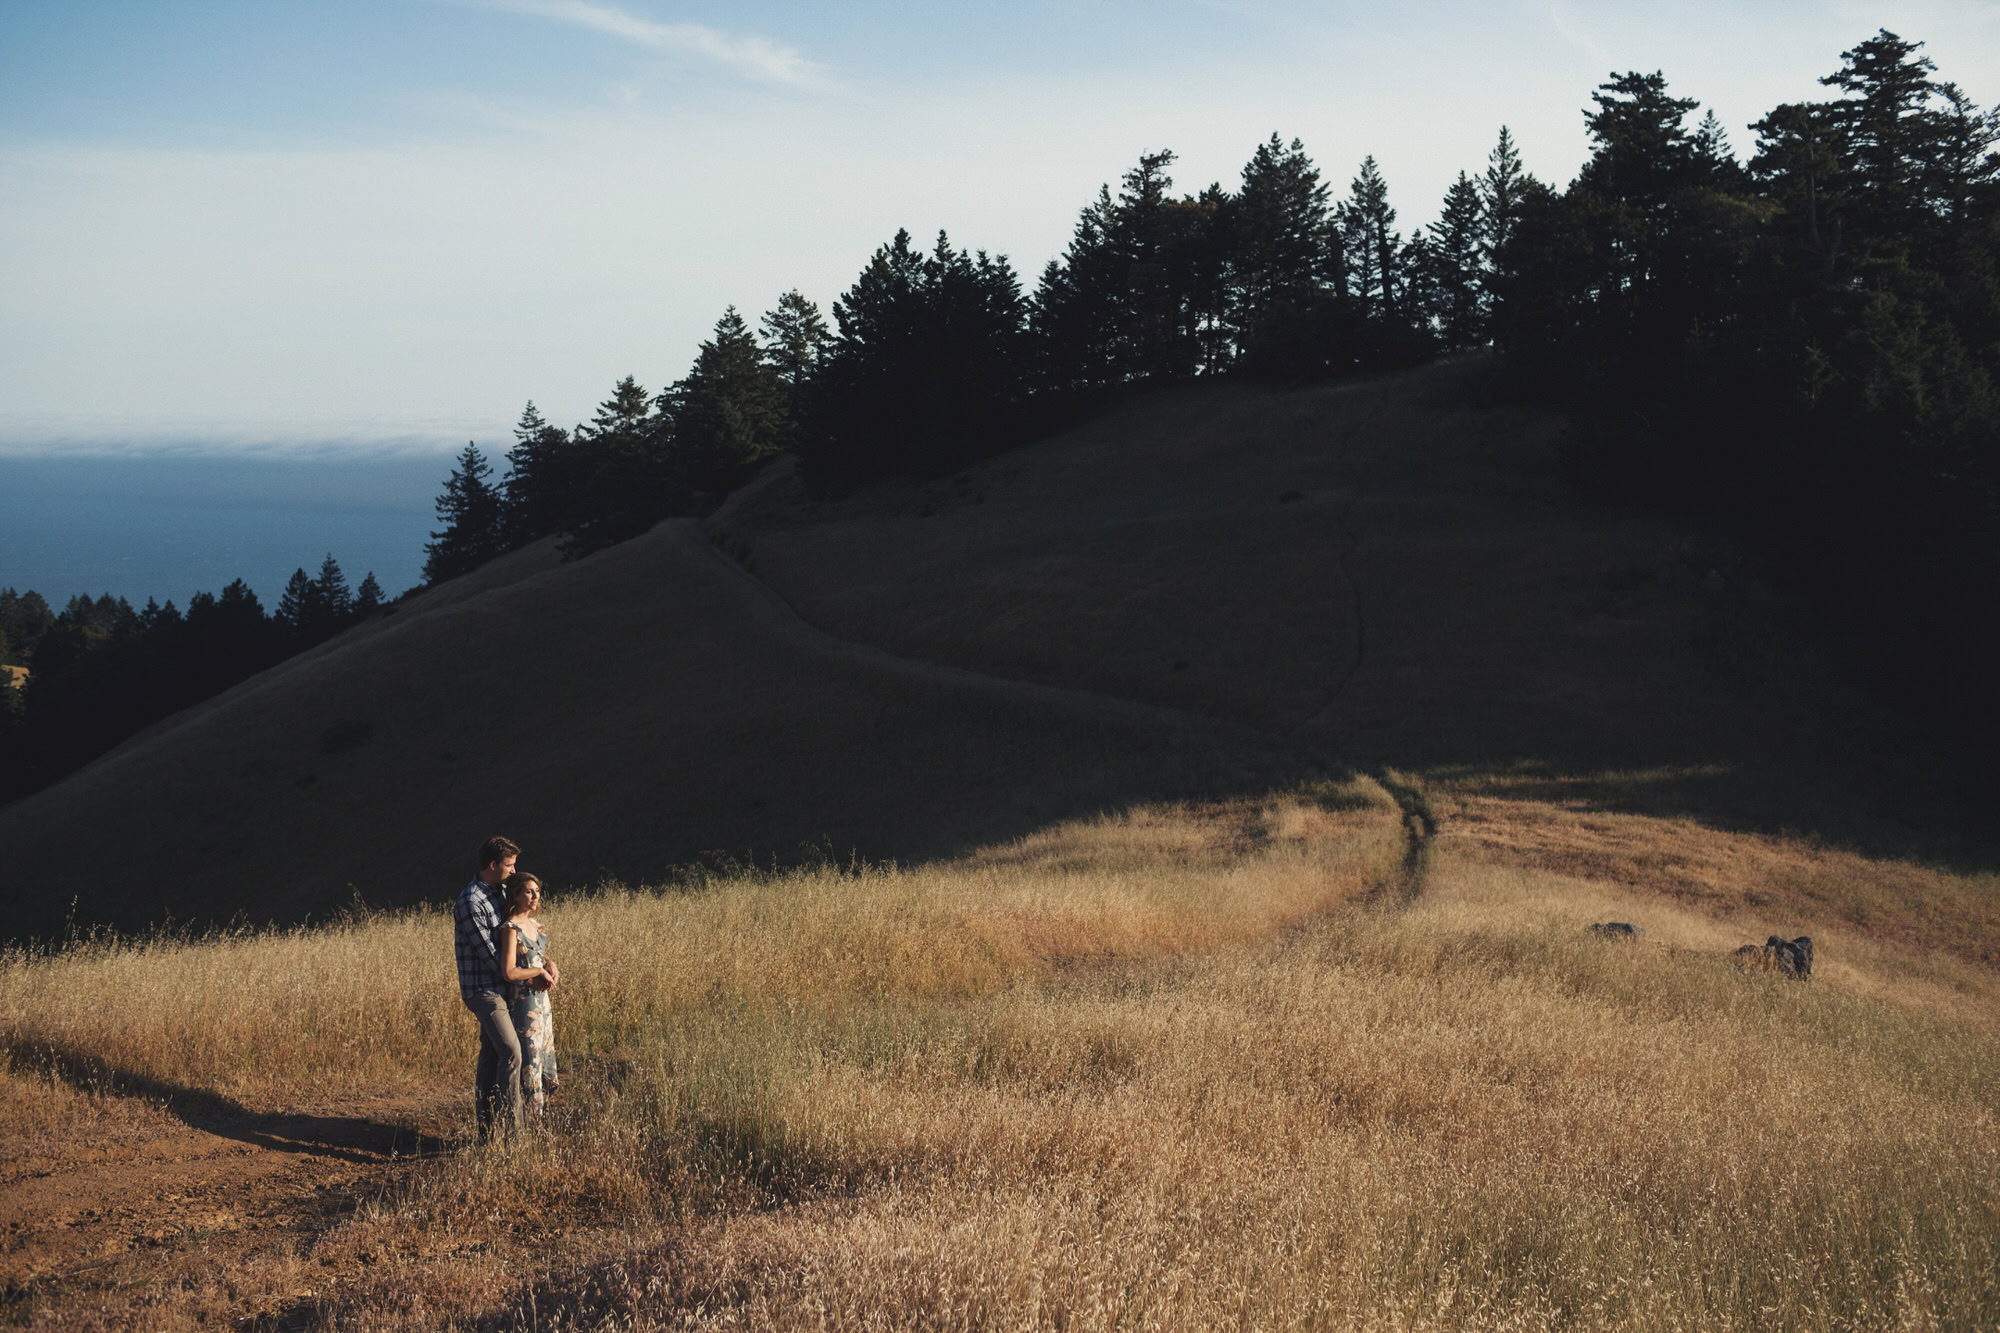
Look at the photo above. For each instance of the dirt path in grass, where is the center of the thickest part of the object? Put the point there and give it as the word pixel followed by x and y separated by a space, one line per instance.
pixel 155 1210
pixel 1225 734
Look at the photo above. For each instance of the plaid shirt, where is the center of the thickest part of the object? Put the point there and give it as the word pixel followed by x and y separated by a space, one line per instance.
pixel 474 920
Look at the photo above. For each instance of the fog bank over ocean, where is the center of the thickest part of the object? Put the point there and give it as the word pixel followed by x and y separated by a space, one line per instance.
pixel 166 525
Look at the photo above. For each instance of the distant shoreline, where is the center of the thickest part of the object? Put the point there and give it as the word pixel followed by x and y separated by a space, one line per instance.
pixel 168 526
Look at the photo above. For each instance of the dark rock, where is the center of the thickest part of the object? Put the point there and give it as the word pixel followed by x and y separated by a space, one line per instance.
pixel 1793 957
pixel 1616 930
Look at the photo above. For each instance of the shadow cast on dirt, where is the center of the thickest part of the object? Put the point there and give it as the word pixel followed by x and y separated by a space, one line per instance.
pixel 346 1138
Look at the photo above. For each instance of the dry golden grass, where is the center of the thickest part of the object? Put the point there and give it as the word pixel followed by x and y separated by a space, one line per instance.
pixel 1185 1068
pixel 1746 885
pixel 249 1016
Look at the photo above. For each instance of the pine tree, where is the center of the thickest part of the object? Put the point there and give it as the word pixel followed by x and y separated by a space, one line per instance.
pixel 367 598
pixel 544 479
pixel 1715 156
pixel 229 637
pixel 927 370
pixel 1140 293
pixel 1888 136
pixel 1638 194
pixel 332 591
pixel 332 604
pixel 1642 153
pixel 627 413
pixel 1278 224
pixel 1198 262
pixel 795 339
pixel 1799 165
pixel 469 507
pixel 1453 261
pixel 730 413
pixel 154 617
pixel 630 476
pixel 1964 164
pixel 1500 190
pixel 1074 314
pixel 1367 224
pixel 25 617
pixel 1147 299
pixel 295 611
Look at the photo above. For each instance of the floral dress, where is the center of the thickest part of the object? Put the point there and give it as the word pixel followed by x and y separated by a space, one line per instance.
pixel 534 1022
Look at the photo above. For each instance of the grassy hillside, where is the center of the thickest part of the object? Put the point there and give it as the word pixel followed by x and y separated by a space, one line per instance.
pixel 616 716
pixel 1211 590
pixel 1255 762
pixel 1390 571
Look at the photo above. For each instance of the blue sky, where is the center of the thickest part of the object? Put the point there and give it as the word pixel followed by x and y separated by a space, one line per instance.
pixel 387 223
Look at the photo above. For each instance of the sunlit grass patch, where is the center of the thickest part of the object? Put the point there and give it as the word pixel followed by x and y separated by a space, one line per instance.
pixel 322 1012
pixel 1180 1069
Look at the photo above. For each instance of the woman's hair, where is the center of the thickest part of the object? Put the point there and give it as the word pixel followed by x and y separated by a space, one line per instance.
pixel 517 882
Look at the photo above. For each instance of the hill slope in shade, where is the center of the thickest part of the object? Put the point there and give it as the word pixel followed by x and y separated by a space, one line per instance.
pixel 1390 571
pixel 1206 591
pixel 617 715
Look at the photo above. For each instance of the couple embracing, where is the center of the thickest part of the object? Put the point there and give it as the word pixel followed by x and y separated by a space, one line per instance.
pixel 505 976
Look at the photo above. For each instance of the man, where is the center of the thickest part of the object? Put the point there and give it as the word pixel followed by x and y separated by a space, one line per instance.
pixel 482 986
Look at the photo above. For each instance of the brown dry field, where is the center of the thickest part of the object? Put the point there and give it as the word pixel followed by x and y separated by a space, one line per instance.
pixel 1263 1064
pixel 1179 839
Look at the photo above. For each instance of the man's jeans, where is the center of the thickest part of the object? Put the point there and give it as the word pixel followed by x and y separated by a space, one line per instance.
pixel 497 1083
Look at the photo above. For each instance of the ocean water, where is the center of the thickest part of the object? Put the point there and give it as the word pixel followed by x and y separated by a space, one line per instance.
pixel 165 526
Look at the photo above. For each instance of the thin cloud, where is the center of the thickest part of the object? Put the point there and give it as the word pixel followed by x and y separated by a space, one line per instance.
pixel 749 55
pixel 1581 41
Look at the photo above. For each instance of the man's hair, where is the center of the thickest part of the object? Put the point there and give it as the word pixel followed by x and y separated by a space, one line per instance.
pixel 495 850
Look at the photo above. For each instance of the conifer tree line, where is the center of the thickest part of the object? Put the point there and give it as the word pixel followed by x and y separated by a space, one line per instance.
pixel 1803 343
pixel 937 356
pixel 1803 340
pixel 98 670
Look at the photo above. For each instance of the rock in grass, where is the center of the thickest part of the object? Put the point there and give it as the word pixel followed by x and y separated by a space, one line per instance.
pixel 1616 930
pixel 1777 954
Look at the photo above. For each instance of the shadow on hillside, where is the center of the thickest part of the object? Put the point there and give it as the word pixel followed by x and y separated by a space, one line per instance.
pixel 1901 795
pixel 1394 574
pixel 345 1138
pixel 1926 818
pixel 1210 594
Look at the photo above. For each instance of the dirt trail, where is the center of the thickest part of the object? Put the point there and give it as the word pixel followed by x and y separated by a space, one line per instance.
pixel 781 616
pixel 1419 820
pixel 160 1188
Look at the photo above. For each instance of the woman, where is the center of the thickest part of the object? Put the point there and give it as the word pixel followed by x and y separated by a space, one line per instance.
pixel 525 965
